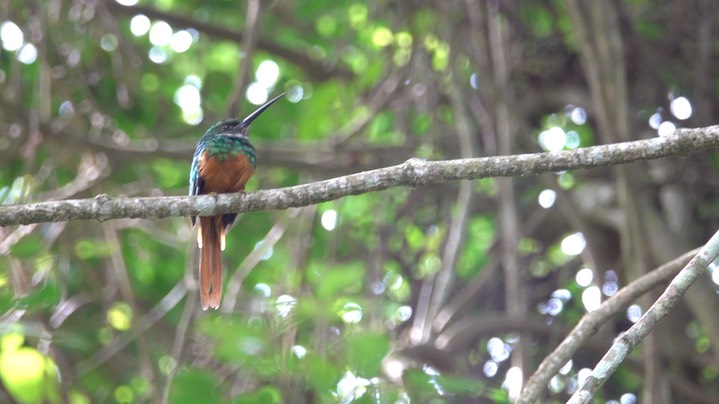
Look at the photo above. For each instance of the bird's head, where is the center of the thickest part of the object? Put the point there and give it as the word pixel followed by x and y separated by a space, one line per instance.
pixel 237 127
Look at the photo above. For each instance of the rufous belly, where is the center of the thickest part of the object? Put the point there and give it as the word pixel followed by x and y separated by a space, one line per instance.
pixel 224 176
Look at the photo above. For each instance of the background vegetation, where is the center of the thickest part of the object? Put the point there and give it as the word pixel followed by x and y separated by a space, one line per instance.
pixel 452 293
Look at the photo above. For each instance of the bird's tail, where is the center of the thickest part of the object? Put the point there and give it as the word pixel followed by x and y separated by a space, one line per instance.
pixel 211 240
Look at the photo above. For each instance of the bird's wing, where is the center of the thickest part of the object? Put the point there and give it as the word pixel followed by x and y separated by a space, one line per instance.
pixel 196 181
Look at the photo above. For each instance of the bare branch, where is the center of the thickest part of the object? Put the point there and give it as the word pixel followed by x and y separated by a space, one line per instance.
pixel 625 343
pixel 591 322
pixel 413 173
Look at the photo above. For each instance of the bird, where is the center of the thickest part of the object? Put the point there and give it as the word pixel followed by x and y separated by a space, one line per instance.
pixel 223 162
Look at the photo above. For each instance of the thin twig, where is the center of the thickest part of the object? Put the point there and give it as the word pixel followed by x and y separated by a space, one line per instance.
pixel 249 41
pixel 625 343
pixel 144 323
pixel 254 258
pixel 589 324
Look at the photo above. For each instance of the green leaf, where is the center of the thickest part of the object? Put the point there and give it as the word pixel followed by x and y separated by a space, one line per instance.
pixel 365 351
pixel 88 248
pixel 323 375
pixel 48 295
pixel 28 247
pixel 334 281
pixel 194 386
pixel 266 394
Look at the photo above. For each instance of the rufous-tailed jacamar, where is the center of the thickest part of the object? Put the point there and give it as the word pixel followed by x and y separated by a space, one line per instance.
pixel 224 161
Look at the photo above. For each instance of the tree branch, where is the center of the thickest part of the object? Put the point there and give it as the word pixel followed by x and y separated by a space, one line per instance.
pixel 591 322
pixel 625 343
pixel 414 173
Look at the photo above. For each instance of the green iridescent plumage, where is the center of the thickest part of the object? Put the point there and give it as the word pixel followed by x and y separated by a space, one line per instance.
pixel 222 146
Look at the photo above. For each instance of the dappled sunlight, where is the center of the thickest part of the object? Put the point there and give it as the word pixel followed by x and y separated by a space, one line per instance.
pixel 611 283
pixel 329 219
pixel 681 108
pixel 140 25
pixel 584 277
pixel 573 244
pixel 634 312
pixel 267 74
pixel 160 33
pixel 490 368
pixel 11 36
pixel 284 305
pixel 591 298
pixel 513 382
pixel 351 387
pixel 351 313
pixel 27 54
pixel 547 198
pixel 553 139
pixel 498 350
pixel 666 128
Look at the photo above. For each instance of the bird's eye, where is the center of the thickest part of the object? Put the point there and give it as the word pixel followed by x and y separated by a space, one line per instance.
pixel 226 127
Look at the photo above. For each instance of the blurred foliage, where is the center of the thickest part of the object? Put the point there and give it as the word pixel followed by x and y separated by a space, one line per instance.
pixel 92 101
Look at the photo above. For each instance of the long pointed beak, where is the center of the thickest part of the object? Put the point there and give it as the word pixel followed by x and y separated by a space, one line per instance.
pixel 251 117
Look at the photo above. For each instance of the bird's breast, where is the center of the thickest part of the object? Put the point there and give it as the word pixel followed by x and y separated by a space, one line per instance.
pixel 225 175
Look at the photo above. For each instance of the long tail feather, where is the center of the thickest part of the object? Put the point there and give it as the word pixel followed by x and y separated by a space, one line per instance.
pixel 212 235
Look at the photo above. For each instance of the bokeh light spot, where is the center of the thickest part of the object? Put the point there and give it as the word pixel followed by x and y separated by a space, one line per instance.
pixel 474 81
pixel 120 316
pixel 351 313
pixel 553 139
pixel 578 116
pixel 257 93
pixel 498 350
pixel 547 198
pixel 573 244
pixel 666 128
pixel 591 298
pixel 11 36
pixel 382 37
pixel 160 33
pixel 267 73
pixel 66 108
pixel 329 219
pixel 264 289
pixel 490 368
pixel 634 312
pixel 284 305
pixel 628 398
pixel 584 277
pixel 188 97
pixel 157 55
pixel 108 42
pixel 268 253
pixel 681 108
pixel 27 54
pixel 139 25
pixel 181 41
pixel 299 351
pixel 573 141
pixel 295 93
pixel 655 120
pixel 513 382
